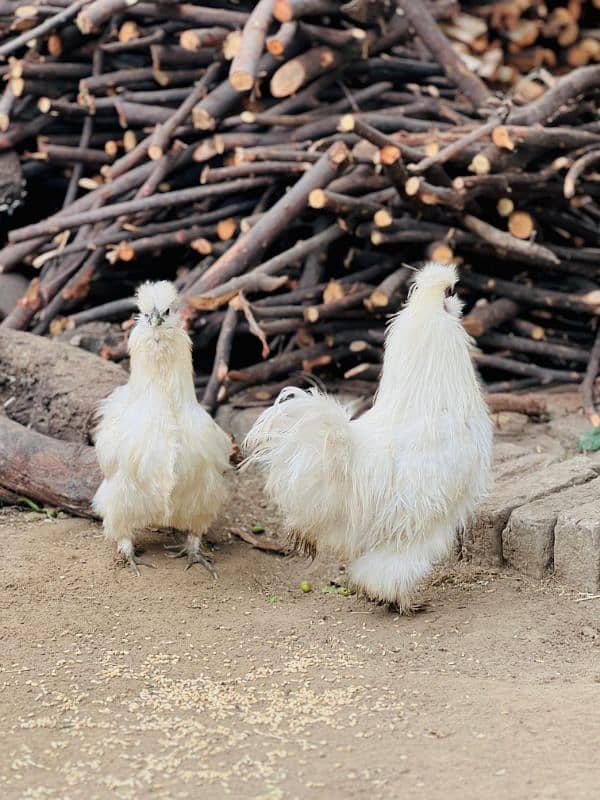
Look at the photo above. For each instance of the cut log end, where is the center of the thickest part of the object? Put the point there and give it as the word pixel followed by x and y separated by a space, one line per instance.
pixel 501 138
pixel 480 165
pixel 389 155
pixel 412 186
pixel 155 152
pixel 505 206
pixel 521 225
pixel 346 123
pixel 283 10
pixel 317 199
pixel 382 218
pixel 241 81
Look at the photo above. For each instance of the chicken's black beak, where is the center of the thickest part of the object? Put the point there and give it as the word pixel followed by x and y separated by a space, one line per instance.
pixel 156 318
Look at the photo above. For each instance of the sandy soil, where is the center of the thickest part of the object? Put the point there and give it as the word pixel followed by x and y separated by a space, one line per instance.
pixel 176 685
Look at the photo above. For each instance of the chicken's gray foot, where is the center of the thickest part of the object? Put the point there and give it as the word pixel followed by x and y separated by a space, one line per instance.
pixel 192 552
pixel 407 610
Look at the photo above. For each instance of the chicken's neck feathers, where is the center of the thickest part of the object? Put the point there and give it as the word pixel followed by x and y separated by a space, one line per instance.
pixel 165 366
pixel 427 369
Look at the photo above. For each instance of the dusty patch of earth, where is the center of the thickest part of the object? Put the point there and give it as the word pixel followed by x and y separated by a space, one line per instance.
pixel 175 685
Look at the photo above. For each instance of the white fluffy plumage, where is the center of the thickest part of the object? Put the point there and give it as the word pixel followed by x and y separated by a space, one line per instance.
pixel 387 491
pixel 163 458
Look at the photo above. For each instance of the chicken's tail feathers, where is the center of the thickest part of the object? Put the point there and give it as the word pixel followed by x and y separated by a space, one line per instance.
pixel 303 417
pixel 303 444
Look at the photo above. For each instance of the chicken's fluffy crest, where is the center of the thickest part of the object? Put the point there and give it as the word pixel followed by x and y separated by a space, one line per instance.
pixel 435 277
pixel 160 296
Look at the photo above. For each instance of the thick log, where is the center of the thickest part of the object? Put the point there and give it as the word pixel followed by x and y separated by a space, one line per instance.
pixel 53 387
pixel 63 475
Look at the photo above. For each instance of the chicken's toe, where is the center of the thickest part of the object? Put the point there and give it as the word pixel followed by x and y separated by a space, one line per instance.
pixel 408 609
pixel 128 557
pixel 192 552
pixel 205 561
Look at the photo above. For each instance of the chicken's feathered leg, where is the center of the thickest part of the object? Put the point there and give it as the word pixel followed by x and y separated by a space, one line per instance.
pixel 390 573
pixel 192 550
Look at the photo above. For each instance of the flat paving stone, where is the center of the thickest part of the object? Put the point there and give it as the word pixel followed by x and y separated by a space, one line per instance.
pixel 577 547
pixel 528 539
pixel 518 482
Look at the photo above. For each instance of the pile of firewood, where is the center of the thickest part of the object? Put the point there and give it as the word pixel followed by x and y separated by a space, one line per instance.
pixel 285 160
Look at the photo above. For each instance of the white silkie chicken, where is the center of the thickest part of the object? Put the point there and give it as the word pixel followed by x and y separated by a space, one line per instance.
pixel 163 458
pixel 387 491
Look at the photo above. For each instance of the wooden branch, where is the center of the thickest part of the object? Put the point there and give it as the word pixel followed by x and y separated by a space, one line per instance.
pixel 287 10
pixel 166 200
pixel 421 19
pixel 222 293
pixel 43 28
pixel 529 295
pixel 383 295
pixel 261 542
pixel 221 362
pixel 528 251
pixel 253 243
pixel 589 381
pixel 566 89
pixel 162 136
pixel 456 147
pixel 244 67
pixel 94 14
pixel 520 344
pixel 544 374
pixel 197 15
pixel 576 169
pixel 485 316
pixel 297 72
pixel 527 404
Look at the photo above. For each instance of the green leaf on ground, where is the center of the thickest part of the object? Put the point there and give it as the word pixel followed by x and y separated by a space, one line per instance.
pixel 26 501
pixel 335 589
pixel 590 440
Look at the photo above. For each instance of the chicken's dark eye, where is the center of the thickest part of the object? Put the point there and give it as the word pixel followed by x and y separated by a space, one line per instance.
pixel 167 312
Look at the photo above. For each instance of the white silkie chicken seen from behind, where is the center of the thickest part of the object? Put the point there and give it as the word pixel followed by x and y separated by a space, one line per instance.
pixel 163 458
pixel 387 491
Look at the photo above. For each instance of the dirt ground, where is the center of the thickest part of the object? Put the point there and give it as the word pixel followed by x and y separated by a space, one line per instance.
pixel 176 685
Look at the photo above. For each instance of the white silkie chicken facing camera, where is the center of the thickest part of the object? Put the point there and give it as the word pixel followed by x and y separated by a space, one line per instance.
pixel 387 491
pixel 163 458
